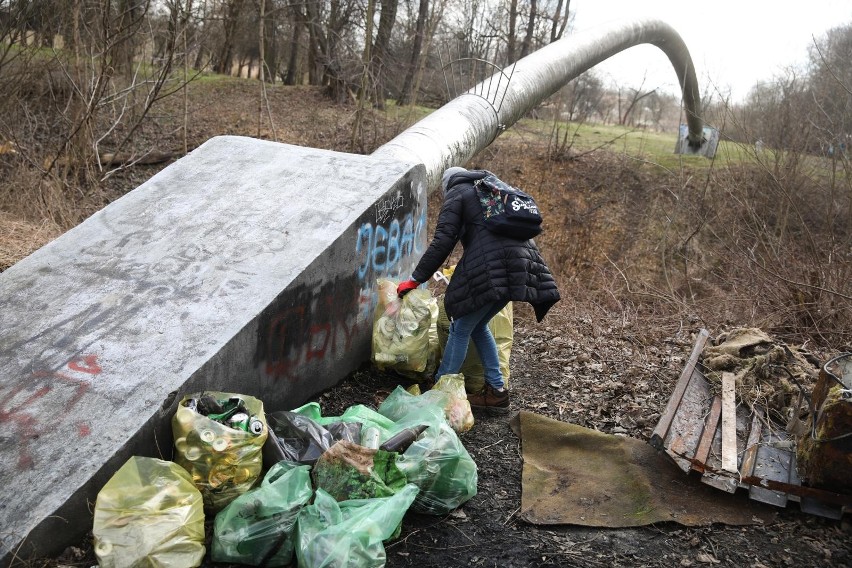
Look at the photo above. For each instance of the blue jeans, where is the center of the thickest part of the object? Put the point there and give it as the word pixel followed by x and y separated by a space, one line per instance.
pixel 473 327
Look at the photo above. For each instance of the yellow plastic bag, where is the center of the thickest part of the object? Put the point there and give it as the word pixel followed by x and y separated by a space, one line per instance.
pixel 401 329
pixel 224 461
pixel 457 409
pixel 472 369
pixel 149 514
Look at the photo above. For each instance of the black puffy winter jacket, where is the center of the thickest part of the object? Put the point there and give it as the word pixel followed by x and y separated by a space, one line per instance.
pixel 493 268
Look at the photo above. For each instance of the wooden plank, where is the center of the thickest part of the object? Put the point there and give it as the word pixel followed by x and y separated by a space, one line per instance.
pixel 729 423
pixel 706 441
pixel 665 422
pixel 752 445
pixel 801 491
pixel 688 422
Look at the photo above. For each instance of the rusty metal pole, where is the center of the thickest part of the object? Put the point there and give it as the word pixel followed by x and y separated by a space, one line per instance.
pixel 467 124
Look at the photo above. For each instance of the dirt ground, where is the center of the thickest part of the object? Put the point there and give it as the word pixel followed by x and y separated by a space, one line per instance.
pixel 584 367
pixel 588 364
pixel 587 367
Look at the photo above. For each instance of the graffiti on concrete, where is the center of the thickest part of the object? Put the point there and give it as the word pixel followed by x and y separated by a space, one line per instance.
pixel 313 322
pixel 386 207
pixel 306 325
pixel 381 250
pixel 381 247
pixel 59 389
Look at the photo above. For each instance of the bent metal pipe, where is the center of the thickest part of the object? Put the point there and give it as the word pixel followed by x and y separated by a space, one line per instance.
pixel 457 131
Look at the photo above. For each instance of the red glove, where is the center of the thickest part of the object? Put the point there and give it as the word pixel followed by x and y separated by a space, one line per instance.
pixel 406 286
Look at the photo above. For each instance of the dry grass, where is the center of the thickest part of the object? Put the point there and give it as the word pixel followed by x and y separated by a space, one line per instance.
pixel 19 238
pixel 747 242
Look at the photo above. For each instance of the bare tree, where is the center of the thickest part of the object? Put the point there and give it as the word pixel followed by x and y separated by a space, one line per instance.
pixel 526 44
pixel 830 86
pixel 582 96
pixel 628 101
pixel 230 14
pixel 407 94
pixel 379 53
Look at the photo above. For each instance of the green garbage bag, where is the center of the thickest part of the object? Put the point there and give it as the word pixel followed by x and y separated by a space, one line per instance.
pixel 400 403
pixel 350 471
pixel 366 416
pixel 349 534
pixel 447 398
pixel 149 514
pixel 258 527
pixel 437 462
pixel 355 413
pixel 224 461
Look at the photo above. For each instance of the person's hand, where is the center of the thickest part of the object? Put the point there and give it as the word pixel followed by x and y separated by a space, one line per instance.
pixel 406 286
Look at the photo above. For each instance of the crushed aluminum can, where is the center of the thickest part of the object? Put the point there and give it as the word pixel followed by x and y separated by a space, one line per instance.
pixel 239 421
pixel 255 426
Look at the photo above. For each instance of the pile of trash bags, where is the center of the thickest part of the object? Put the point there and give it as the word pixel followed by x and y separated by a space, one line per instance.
pixel 334 488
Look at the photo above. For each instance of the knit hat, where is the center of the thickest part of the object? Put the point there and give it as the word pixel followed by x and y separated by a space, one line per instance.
pixel 448 173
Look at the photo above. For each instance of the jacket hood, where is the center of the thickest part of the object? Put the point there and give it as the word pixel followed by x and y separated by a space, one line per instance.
pixel 461 176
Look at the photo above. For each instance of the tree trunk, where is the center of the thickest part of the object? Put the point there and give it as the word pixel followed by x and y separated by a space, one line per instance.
pixel 299 22
pixel 226 53
pixel 270 48
pixel 407 94
pixel 316 44
pixel 331 59
pixel 527 43
pixel 559 23
pixel 379 57
pixel 357 132
pixel 512 39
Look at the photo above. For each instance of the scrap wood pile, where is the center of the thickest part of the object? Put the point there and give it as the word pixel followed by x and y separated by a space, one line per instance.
pixel 768 373
pixel 812 404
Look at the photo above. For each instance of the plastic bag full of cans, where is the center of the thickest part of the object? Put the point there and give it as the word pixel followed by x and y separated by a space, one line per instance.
pixel 219 439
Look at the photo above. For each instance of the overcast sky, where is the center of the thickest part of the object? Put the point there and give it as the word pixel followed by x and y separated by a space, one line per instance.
pixel 733 43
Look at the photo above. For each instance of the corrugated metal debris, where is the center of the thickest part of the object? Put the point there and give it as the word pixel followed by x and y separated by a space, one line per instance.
pixel 732 447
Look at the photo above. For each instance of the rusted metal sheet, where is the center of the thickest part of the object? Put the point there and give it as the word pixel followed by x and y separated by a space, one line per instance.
pixel 690 432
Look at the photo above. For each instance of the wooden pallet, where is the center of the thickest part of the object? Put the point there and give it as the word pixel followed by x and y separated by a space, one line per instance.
pixel 732 447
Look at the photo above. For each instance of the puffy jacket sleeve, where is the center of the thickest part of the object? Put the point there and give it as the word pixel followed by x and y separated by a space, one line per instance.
pixel 447 233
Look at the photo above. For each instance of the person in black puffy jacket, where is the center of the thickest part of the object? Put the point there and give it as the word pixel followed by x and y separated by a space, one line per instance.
pixel 493 271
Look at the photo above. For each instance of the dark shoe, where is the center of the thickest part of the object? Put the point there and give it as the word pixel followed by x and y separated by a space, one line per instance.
pixel 490 399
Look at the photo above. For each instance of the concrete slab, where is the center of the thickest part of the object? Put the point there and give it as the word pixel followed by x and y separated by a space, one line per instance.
pixel 247 266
